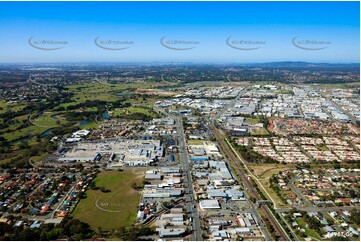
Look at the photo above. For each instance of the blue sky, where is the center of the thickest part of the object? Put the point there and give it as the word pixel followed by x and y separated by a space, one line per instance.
pixel 208 24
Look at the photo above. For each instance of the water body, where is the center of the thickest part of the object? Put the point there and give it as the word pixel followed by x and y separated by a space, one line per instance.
pixel 46 133
pixel 105 116
pixel 84 122
pixel 170 87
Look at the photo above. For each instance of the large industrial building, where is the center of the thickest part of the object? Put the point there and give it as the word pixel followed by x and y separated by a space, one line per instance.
pixel 123 152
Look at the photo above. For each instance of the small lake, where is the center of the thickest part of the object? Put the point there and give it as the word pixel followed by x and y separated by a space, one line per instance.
pixel 105 116
pixel 84 122
pixel 166 88
pixel 46 133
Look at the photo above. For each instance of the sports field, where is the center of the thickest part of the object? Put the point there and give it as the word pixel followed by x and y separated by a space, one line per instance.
pixel 112 209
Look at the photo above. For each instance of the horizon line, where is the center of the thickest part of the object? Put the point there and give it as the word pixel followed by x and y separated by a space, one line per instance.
pixel 178 62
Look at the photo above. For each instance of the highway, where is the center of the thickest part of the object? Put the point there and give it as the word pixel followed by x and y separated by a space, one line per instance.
pixel 189 192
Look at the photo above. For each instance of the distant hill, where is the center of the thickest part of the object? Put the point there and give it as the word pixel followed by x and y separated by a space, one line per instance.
pixel 304 64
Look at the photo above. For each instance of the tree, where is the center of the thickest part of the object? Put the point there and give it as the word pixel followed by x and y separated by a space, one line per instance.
pixel 26 234
pixel 145 231
pixel 132 234
pixel 134 186
pixel 355 216
pixel 55 233
pixel 121 233
pixel 103 189
pixel 92 186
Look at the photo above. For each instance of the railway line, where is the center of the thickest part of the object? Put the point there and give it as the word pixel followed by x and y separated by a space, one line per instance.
pixel 249 187
pixel 163 210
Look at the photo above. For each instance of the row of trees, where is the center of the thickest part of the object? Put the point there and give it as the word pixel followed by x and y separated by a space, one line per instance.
pixel 252 156
pixel 69 229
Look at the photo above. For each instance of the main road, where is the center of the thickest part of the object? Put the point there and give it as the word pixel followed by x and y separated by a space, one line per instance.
pixel 189 192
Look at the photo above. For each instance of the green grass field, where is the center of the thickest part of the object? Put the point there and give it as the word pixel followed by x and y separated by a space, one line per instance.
pixel 279 202
pixel 147 101
pixel 253 120
pixel 129 110
pixel 120 204
pixel 344 85
pixel 13 107
pixel 40 124
pixel 260 131
pixel 285 91
pixel 309 232
pixel 45 120
pixel 195 142
pixel 9 158
pixel 107 88
pixel 91 125
pixel 322 148
pixel 31 130
pixel 264 172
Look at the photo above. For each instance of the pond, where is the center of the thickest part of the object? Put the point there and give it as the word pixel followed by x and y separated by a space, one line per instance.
pixel 84 122
pixel 45 133
pixel 105 116
pixel 166 88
